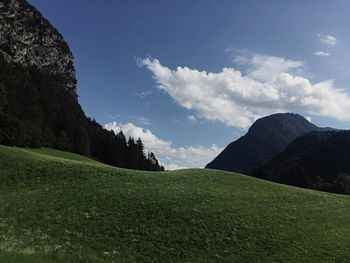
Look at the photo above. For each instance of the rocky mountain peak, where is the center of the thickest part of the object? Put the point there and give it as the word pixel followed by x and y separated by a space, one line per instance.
pixel 26 37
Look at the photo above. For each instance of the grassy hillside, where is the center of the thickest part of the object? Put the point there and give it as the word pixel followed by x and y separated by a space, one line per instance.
pixel 59 207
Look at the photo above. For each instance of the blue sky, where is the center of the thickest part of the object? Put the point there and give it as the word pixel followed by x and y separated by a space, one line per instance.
pixel 277 53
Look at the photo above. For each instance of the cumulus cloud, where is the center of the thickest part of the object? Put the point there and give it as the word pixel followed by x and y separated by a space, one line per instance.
pixel 327 39
pixel 322 53
pixel 271 85
pixel 170 156
pixel 263 67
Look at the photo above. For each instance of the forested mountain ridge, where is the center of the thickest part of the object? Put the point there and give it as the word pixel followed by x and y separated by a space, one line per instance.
pixel 319 160
pixel 265 138
pixel 38 100
pixel 288 149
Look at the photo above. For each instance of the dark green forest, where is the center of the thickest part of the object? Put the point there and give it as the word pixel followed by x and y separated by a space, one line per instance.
pixel 318 160
pixel 37 111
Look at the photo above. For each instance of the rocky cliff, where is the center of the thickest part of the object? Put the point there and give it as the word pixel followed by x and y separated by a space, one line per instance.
pixel 29 39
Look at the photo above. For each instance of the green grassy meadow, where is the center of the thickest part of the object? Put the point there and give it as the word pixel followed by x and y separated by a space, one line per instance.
pixel 62 207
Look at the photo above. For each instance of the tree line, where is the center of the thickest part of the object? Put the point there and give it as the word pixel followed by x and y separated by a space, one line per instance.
pixel 37 111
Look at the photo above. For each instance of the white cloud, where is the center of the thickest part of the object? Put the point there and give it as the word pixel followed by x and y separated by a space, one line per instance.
pixel 327 39
pixel 174 166
pixel 263 67
pixel 271 85
pixel 322 53
pixel 308 118
pixel 171 157
pixel 192 118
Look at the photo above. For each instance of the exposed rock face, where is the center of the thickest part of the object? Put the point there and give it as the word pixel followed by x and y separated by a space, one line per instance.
pixel 29 39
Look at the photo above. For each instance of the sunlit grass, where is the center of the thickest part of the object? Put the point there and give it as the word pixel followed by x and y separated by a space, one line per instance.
pixel 61 207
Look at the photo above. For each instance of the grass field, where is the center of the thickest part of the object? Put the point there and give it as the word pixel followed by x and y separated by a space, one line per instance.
pixel 61 207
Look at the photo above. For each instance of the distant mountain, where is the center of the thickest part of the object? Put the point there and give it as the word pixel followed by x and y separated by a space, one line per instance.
pixel 317 160
pixel 264 139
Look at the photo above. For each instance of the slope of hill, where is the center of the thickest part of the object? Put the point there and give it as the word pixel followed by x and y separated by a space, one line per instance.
pixel 265 138
pixel 316 160
pixel 58 207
